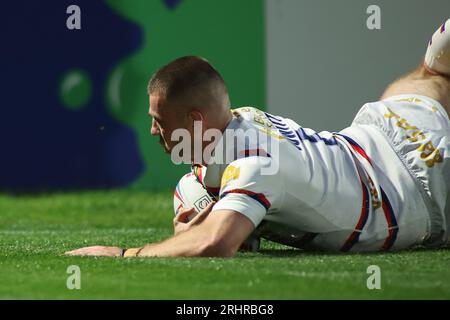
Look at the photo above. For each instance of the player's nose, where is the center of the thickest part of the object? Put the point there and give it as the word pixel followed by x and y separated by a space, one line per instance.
pixel 154 130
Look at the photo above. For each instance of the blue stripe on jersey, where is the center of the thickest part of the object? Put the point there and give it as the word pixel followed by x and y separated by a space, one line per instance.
pixel 284 129
pixel 297 137
pixel 391 220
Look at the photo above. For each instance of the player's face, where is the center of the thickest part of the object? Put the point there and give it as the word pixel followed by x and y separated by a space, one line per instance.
pixel 164 121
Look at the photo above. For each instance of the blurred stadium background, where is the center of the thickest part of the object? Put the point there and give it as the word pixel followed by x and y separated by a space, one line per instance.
pixel 75 103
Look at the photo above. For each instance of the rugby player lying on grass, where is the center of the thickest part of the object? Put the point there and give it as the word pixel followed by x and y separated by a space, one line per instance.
pixel 381 184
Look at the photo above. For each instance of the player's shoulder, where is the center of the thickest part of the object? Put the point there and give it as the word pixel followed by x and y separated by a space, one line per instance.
pixel 249 178
pixel 250 169
pixel 251 161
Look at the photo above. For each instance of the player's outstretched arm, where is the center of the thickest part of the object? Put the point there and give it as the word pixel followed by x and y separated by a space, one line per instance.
pixel 220 234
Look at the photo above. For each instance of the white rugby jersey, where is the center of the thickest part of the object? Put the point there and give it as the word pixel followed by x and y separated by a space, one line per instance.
pixel 300 187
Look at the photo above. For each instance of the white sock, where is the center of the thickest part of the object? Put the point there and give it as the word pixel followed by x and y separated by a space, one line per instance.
pixel 437 57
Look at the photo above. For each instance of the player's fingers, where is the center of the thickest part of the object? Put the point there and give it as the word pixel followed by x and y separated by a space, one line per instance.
pixel 203 214
pixel 183 215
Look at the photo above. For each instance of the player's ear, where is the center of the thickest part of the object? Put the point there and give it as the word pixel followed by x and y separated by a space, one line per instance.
pixel 196 116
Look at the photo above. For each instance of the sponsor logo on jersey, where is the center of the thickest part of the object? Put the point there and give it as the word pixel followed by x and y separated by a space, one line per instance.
pixel 230 173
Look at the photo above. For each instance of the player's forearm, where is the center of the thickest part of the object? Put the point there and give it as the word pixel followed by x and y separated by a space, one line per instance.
pixel 220 235
pixel 193 243
pixel 169 249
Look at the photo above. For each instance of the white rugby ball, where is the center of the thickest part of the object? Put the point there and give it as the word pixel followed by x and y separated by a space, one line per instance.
pixel 190 193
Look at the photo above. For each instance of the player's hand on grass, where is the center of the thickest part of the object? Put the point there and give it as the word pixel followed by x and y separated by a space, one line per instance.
pixel 187 218
pixel 98 251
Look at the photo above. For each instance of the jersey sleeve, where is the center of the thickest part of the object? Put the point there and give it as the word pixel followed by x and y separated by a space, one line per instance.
pixel 246 188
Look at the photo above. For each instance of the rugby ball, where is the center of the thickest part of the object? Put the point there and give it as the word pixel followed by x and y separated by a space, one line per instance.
pixel 189 193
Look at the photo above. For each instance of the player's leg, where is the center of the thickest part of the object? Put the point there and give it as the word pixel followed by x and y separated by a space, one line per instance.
pixel 423 82
pixel 430 131
pixel 432 78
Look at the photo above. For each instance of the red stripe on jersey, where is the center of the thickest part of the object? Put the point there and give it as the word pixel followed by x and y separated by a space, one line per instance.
pixel 391 221
pixel 354 237
pixel 386 205
pixel 359 150
pixel 257 196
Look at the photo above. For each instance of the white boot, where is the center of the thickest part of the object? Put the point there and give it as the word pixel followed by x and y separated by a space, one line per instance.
pixel 437 57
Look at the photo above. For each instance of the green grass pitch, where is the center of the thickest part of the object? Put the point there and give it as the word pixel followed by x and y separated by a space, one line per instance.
pixel 36 229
